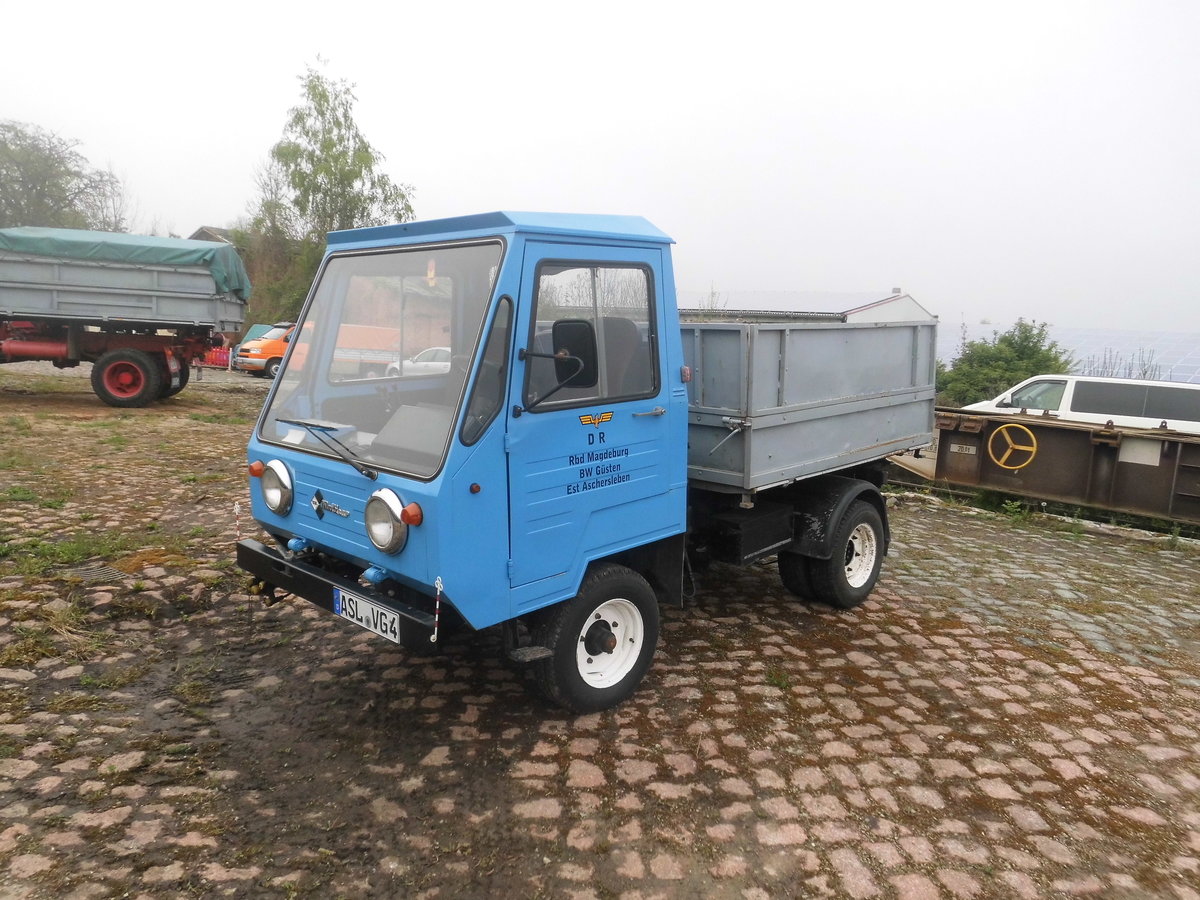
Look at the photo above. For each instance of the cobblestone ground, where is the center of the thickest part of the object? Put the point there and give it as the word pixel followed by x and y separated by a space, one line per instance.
pixel 1014 713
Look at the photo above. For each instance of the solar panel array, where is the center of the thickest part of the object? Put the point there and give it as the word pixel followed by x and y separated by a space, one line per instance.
pixel 1156 355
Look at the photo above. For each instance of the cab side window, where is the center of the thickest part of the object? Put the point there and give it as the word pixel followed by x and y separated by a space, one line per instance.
pixel 615 300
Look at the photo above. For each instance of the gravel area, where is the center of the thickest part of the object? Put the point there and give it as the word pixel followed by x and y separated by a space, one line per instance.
pixel 1014 713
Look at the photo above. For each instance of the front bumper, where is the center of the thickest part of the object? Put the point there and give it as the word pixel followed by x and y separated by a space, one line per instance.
pixel 317 586
pixel 250 363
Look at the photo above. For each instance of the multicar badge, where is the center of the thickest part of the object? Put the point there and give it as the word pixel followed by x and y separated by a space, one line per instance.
pixel 321 506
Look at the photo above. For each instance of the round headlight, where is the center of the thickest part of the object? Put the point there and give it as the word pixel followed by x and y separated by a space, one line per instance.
pixel 277 487
pixel 383 523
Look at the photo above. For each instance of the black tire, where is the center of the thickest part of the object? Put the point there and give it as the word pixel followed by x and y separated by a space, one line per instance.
pixel 272 366
pixel 127 378
pixel 185 374
pixel 847 578
pixel 602 641
pixel 795 575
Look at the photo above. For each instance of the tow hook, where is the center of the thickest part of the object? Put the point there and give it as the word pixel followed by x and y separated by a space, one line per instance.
pixel 264 591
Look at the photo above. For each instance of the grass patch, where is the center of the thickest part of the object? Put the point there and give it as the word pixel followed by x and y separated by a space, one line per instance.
pixel 78 702
pixel 194 686
pixel 21 494
pixel 194 692
pixel 19 424
pixel 116 677
pixel 13 702
pixel 776 677
pixel 31 645
pixel 110 422
pixel 47 634
pixel 39 557
pixel 221 418
pixel 207 478
pixel 147 557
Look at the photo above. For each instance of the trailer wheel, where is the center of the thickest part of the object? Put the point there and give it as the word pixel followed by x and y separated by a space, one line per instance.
pixel 601 641
pixel 126 378
pixel 795 575
pixel 185 374
pixel 849 575
pixel 272 367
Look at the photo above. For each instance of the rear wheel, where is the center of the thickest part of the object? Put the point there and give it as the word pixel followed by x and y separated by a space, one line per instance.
pixel 794 573
pixel 127 378
pixel 601 641
pixel 185 372
pixel 847 578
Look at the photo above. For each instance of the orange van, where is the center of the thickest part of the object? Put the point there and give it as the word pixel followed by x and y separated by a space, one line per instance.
pixel 263 355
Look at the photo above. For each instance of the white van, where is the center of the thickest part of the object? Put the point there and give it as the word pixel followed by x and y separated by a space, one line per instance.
pixel 1125 402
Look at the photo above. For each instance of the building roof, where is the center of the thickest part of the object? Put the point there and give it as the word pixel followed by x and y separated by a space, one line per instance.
pixel 212 233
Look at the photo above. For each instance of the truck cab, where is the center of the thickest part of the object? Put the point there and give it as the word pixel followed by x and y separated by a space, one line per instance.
pixel 538 480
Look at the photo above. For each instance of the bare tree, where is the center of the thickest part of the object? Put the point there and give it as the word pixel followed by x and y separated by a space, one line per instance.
pixel 1111 364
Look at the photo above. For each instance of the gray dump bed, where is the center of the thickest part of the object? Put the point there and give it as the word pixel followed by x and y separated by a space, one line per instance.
pixel 778 397
pixel 99 278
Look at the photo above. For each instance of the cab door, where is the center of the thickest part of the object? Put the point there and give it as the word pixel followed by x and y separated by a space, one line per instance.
pixel 589 464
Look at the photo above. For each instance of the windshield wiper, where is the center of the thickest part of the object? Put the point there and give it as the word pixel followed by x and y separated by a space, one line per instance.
pixel 320 430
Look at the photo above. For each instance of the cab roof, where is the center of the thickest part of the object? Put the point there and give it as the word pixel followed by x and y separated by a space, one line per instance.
pixel 632 228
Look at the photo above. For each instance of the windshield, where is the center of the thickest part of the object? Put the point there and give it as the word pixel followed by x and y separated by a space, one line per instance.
pixel 381 356
pixel 274 334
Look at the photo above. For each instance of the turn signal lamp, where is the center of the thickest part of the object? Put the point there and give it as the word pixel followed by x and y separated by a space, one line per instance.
pixel 412 515
pixel 257 468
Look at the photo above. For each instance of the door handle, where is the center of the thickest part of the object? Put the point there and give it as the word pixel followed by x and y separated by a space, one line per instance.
pixel 657 411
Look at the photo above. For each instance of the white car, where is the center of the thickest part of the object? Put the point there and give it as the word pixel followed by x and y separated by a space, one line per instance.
pixel 430 361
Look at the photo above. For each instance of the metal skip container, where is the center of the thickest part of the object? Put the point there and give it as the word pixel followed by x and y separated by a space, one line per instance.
pixel 780 396
pixel 1144 471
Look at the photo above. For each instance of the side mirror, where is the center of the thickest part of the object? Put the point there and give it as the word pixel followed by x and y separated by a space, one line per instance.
pixel 575 363
pixel 575 359
pixel 1004 403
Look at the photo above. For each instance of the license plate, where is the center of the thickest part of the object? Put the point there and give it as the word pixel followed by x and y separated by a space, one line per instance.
pixel 368 615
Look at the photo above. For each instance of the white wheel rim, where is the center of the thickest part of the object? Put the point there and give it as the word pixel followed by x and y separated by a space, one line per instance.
pixel 604 669
pixel 860 555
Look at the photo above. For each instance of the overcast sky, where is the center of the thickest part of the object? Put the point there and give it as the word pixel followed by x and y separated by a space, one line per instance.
pixel 994 160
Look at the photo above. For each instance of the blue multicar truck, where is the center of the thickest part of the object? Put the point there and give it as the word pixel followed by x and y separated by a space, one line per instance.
pixel 587 446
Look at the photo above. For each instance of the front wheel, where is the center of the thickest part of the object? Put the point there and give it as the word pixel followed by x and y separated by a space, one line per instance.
pixel 601 641
pixel 847 578
pixel 127 378
pixel 272 368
